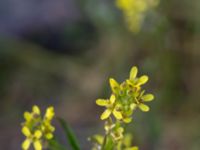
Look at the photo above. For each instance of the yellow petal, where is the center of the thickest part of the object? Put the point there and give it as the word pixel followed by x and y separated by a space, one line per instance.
pixel 130 83
pixel 36 110
pixel 144 107
pixel 133 106
pixel 26 144
pixel 27 116
pixel 102 102
pixel 37 134
pixel 105 114
pixel 49 113
pixel 112 99
pixel 133 73
pixel 147 97
pixel 37 145
pixel 26 131
pixel 114 85
pixel 127 120
pixel 117 114
pixel 142 80
pixel 47 125
pixel 49 136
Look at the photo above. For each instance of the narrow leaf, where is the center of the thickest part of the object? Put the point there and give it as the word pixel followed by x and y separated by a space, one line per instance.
pixel 69 134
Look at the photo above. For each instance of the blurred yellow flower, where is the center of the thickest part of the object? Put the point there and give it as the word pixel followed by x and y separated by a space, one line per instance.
pixel 134 11
pixel 37 129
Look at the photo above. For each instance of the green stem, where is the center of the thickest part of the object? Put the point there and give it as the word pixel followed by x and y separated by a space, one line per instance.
pixel 106 136
pixel 104 142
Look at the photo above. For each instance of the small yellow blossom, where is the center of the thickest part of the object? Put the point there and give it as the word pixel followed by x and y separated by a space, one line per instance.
pixel 144 98
pixel 31 138
pixel 37 129
pixel 135 82
pixel 111 107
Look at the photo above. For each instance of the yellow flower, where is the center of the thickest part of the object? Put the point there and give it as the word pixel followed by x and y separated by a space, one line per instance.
pixel 135 82
pixel 144 98
pixel 134 11
pixel 48 129
pixel 31 138
pixel 111 107
pixel 30 116
pixel 125 98
pixel 37 129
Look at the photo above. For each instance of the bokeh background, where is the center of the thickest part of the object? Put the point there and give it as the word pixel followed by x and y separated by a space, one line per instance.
pixel 63 52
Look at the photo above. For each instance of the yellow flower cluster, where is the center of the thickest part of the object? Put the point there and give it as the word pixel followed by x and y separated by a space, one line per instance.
pixel 126 97
pixel 134 11
pixel 37 129
pixel 124 100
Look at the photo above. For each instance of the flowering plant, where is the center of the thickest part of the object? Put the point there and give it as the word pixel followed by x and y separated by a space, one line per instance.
pixel 37 129
pixel 125 98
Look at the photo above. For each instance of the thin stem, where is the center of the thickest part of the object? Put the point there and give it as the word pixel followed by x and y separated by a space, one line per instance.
pixel 106 135
pixel 104 142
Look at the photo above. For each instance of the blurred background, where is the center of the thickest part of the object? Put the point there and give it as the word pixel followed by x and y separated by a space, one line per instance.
pixel 63 52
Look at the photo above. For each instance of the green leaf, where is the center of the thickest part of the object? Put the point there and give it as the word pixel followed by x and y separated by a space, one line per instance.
pixel 69 134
